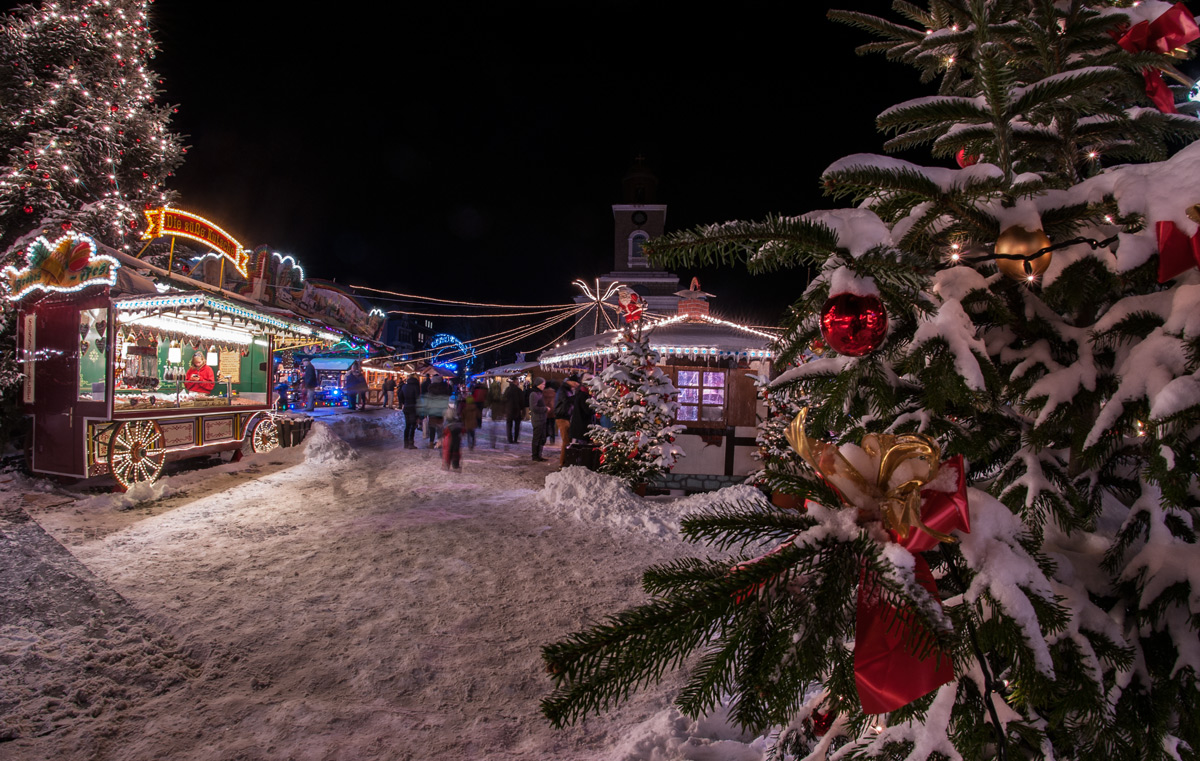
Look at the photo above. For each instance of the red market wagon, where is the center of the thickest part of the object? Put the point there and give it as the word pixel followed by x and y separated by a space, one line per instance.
pixel 106 342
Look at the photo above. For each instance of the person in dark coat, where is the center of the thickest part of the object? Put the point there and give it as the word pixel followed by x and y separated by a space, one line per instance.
pixel 389 385
pixel 550 393
pixel 582 415
pixel 469 414
pixel 409 397
pixel 538 413
pixel 563 402
pixel 514 403
pixel 496 406
pixel 312 382
pixel 356 387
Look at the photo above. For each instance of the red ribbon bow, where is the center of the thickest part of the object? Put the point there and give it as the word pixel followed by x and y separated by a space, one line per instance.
pixel 1173 29
pixel 889 671
pixel 1177 253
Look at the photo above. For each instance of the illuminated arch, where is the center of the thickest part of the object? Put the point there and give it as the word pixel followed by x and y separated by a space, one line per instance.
pixel 451 353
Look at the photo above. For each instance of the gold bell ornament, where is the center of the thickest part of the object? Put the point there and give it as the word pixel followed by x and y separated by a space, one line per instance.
pixel 1017 241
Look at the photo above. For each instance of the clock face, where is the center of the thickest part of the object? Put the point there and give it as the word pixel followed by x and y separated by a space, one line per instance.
pixel 639 217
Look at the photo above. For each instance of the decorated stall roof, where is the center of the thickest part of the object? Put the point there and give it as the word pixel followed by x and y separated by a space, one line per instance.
pixel 508 371
pixel 685 336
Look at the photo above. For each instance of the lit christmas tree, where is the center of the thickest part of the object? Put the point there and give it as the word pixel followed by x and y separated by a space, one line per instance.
pixel 83 140
pixel 999 555
pixel 637 401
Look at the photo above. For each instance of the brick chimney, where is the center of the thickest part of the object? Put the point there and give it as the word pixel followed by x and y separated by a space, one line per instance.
pixel 693 303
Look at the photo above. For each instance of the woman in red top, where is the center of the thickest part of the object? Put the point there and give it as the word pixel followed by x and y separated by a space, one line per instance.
pixel 199 376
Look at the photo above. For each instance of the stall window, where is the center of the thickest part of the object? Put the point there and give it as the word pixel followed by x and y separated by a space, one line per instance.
pixel 701 396
pixel 93 360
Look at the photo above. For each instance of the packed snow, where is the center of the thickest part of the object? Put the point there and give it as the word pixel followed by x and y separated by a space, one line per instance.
pixel 347 599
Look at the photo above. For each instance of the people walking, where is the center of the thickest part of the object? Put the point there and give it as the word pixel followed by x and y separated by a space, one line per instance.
pixel 550 394
pixel 563 402
pixel 435 401
pixel 582 415
pixel 470 413
pixel 496 406
pixel 538 411
pixel 389 385
pixel 311 382
pixel 452 441
pixel 356 387
pixel 409 397
pixel 514 408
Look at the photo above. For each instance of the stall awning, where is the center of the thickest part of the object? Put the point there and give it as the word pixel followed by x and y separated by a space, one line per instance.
pixel 206 316
pixel 332 363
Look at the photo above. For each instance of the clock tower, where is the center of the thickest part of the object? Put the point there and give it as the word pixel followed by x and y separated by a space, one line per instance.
pixel 639 218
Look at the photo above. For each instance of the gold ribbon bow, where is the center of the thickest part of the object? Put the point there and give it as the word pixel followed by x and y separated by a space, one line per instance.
pixel 901 504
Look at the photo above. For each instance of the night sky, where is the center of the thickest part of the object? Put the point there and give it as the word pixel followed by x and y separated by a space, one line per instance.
pixel 474 151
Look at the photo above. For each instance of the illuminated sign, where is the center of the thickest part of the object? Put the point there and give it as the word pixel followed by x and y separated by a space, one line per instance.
pixel 68 264
pixel 183 224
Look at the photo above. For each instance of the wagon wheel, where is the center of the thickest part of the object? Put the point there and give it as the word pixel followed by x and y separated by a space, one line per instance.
pixel 265 436
pixel 136 453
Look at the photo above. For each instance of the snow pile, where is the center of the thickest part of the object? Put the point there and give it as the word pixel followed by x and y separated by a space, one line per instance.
pixel 139 493
pixel 324 446
pixel 671 735
pixel 599 498
pixel 376 424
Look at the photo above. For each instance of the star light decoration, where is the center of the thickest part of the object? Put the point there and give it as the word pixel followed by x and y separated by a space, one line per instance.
pixel 92 136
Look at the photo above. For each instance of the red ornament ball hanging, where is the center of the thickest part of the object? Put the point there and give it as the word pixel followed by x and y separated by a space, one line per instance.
pixel 965 159
pixel 853 325
pixel 822 721
pixel 28 209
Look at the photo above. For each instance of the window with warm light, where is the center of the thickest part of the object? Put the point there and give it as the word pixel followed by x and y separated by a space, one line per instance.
pixel 701 396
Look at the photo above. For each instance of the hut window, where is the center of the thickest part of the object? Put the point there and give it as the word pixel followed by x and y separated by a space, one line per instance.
pixel 701 396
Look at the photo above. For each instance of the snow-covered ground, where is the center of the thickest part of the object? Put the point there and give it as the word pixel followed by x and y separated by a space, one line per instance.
pixel 347 599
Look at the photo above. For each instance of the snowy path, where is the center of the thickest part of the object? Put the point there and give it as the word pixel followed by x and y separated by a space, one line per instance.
pixel 358 604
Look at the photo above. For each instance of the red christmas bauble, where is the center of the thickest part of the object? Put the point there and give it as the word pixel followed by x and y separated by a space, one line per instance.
pixel 822 722
pixel 28 209
pixel 65 226
pixel 965 159
pixel 853 325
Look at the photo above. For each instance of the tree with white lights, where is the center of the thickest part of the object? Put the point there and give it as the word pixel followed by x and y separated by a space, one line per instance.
pixel 999 555
pixel 83 139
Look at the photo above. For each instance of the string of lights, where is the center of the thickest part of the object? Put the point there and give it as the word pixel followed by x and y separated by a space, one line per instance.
pixel 528 331
pixel 459 303
pixel 563 308
pixel 502 338
pixel 557 338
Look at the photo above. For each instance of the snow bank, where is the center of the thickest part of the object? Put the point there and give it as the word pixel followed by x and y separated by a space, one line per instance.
pixel 323 445
pixel 671 735
pixel 599 498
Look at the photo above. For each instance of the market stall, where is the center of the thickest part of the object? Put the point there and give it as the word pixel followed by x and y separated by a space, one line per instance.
pixel 127 365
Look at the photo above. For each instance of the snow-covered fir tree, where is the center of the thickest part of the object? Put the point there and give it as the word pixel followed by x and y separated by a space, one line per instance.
pixel 781 465
pixel 637 402
pixel 1042 310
